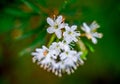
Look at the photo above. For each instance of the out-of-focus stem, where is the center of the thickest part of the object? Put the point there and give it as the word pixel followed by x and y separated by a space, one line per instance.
pixel 83 35
pixel 82 48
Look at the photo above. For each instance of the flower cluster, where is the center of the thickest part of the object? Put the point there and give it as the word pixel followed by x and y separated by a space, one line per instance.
pixel 60 57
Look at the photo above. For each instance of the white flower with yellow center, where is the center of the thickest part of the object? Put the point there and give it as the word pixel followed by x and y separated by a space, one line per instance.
pixel 71 34
pixel 40 54
pixel 55 26
pixel 90 31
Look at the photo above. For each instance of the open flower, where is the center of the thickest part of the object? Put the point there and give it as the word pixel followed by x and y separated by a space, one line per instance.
pixel 55 26
pixel 40 54
pixel 71 59
pixel 90 31
pixel 58 58
pixel 71 34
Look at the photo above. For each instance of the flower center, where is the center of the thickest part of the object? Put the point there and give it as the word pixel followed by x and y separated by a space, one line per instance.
pixel 89 36
pixel 45 52
pixel 70 33
pixel 56 26
pixel 57 46
pixel 66 53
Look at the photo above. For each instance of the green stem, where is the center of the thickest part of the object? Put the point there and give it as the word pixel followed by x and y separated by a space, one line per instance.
pixel 83 48
pixel 51 39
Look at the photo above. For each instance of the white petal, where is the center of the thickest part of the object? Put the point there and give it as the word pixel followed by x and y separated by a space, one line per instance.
pixel 94 25
pixel 34 53
pixel 75 39
pixel 59 20
pixel 86 27
pixel 74 27
pixel 50 21
pixel 67 27
pixel 58 33
pixel 77 34
pixel 98 35
pixel 94 40
pixel 68 40
pixel 34 59
pixel 50 30
pixel 38 49
pixel 62 25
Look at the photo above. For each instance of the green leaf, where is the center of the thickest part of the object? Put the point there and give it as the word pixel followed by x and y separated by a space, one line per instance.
pixel 32 6
pixel 84 54
pixel 42 2
pixel 90 47
pixel 16 12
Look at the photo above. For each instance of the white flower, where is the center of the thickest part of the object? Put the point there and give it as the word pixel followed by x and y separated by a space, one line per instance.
pixel 55 46
pixel 90 31
pixel 40 54
pixel 71 59
pixel 55 26
pixel 71 34
pixel 64 46
pixel 58 58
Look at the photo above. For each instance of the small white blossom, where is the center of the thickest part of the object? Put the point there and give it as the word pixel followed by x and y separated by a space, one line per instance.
pixel 64 46
pixel 55 46
pixel 71 60
pixel 71 34
pixel 90 31
pixel 55 26
pixel 40 53
pixel 58 58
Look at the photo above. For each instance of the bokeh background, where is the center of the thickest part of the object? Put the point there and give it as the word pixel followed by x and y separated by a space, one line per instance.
pixel 22 29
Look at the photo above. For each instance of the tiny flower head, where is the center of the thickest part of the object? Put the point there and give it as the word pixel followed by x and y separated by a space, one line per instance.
pixel 71 34
pixel 71 59
pixel 90 31
pixel 40 53
pixel 55 26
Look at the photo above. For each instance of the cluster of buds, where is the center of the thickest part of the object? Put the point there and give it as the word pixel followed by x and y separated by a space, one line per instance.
pixel 61 55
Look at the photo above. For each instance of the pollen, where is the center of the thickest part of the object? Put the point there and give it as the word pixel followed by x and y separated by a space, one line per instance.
pixel 89 36
pixel 45 53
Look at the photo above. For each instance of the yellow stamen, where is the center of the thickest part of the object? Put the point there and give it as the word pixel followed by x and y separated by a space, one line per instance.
pixel 45 53
pixel 89 36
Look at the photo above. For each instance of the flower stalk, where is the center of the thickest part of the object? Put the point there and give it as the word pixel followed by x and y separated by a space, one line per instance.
pixel 51 39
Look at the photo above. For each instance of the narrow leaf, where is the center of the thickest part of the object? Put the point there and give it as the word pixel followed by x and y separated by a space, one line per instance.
pixel 16 12
pixel 90 47
pixel 32 6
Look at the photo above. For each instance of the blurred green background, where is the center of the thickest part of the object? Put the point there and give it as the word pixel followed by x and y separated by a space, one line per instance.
pixel 23 28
